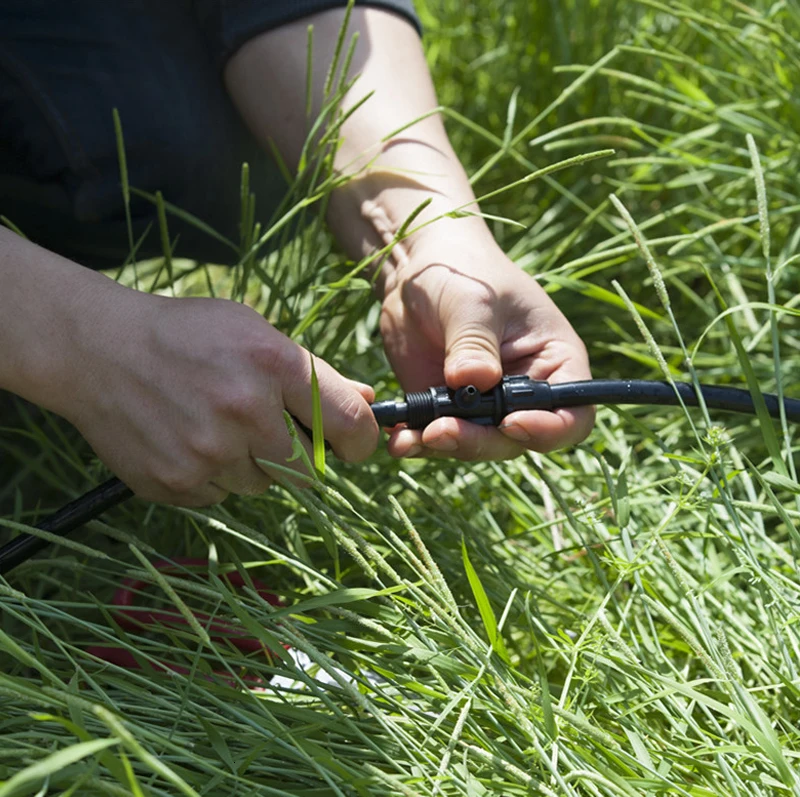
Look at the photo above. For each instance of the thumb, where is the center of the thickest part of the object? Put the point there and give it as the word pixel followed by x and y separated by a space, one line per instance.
pixel 472 351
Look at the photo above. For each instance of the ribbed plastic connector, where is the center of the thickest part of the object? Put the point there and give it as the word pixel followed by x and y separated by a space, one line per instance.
pixel 421 409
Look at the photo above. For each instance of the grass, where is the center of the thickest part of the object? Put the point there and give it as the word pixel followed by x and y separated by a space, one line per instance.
pixel 620 619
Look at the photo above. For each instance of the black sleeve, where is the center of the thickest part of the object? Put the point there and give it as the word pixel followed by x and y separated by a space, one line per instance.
pixel 228 24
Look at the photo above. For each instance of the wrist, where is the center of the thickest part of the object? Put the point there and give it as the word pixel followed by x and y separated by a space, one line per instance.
pixel 46 305
pixel 369 212
pixel 462 246
pixel 95 329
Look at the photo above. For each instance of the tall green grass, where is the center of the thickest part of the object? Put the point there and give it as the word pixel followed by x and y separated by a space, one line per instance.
pixel 620 619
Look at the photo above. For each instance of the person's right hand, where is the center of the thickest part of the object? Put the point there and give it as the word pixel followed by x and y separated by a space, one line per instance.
pixel 178 397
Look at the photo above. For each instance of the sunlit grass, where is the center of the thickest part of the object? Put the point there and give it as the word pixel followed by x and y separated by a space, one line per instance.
pixel 620 619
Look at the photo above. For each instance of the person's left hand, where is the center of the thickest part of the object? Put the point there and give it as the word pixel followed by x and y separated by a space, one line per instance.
pixel 457 311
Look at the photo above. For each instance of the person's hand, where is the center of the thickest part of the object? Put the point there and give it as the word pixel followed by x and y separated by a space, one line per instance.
pixel 179 397
pixel 457 311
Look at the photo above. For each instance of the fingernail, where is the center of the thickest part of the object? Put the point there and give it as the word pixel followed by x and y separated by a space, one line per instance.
pixel 515 432
pixel 443 443
pixel 414 451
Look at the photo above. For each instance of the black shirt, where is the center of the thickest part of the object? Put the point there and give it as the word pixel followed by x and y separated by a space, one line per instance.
pixel 65 66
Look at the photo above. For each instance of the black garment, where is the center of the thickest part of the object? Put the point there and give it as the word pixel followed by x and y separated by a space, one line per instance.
pixel 65 65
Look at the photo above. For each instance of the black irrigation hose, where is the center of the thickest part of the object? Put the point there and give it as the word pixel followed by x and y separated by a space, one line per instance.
pixel 640 391
pixel 515 393
pixel 62 522
pixel 418 409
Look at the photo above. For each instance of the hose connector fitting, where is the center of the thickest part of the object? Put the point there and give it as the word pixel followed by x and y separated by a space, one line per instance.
pixel 512 393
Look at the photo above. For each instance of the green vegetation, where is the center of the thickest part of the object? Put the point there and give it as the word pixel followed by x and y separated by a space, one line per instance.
pixel 621 619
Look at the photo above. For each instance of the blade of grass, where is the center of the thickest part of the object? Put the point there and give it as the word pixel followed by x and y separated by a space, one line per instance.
pixel 53 764
pixel 317 432
pixel 484 606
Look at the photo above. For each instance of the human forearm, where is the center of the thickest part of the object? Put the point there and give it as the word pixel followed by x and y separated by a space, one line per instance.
pixel 267 81
pixel 43 298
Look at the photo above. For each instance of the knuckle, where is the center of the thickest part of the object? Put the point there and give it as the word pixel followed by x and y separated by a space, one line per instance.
pixel 268 353
pixel 240 398
pixel 240 401
pixel 272 438
pixel 358 430
pixel 209 448
pixel 475 337
pixel 257 345
pixel 263 354
pixel 353 415
pixel 178 482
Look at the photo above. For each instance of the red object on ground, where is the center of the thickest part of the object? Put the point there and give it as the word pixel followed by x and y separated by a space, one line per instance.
pixel 131 617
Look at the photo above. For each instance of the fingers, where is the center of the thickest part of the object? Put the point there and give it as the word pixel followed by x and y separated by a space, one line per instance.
pixel 207 495
pixel 284 457
pixel 367 392
pixel 543 430
pixel 480 327
pixel 535 430
pixel 194 392
pixel 348 423
pixel 243 477
pixel 454 438
pixel 472 344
